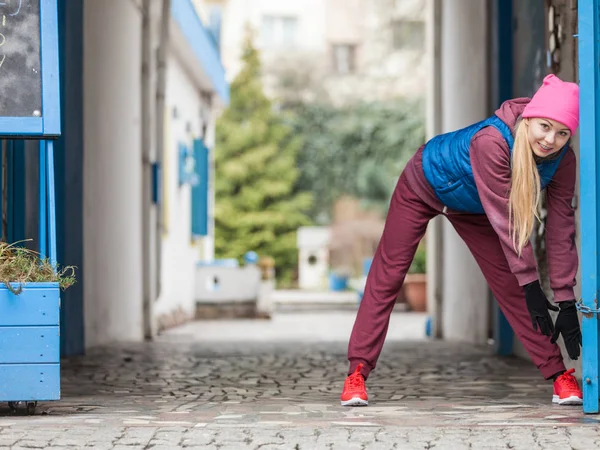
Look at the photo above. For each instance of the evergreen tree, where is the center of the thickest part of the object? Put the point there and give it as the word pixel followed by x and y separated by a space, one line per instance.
pixel 256 205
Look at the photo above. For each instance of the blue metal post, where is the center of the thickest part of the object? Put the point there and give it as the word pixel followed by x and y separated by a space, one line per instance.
pixel 51 203
pixel 589 79
pixel 42 215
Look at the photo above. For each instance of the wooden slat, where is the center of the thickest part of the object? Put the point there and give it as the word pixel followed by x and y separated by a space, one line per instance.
pixel 35 305
pixel 29 345
pixel 21 382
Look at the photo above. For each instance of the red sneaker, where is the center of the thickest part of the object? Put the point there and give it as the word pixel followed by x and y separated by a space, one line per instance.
pixel 355 392
pixel 566 390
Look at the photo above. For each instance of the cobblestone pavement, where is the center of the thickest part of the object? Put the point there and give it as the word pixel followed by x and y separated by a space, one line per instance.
pixel 189 390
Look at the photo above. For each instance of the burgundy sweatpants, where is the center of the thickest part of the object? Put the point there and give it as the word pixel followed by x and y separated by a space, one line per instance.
pixel 405 226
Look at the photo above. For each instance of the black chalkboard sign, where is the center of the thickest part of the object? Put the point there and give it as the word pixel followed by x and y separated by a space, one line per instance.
pixel 20 60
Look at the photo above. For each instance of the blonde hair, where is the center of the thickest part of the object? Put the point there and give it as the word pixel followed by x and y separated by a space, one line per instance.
pixel 524 202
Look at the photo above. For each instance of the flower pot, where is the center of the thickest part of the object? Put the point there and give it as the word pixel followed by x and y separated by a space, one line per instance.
pixel 337 282
pixel 415 288
pixel 30 343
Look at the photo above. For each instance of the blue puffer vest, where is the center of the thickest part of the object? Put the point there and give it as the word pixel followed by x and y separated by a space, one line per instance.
pixel 448 170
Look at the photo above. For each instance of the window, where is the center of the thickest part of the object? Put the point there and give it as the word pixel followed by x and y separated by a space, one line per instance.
pixel 267 31
pixel 279 32
pixel 408 35
pixel 344 56
pixel 288 31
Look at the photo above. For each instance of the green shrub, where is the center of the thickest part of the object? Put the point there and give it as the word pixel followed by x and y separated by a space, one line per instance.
pixel 419 264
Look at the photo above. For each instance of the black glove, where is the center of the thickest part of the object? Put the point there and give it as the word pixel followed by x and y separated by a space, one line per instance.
pixel 567 324
pixel 538 306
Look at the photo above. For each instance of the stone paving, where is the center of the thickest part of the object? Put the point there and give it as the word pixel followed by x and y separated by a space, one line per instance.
pixel 190 389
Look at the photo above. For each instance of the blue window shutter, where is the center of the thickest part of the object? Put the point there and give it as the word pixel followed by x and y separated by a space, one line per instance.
pixel 200 190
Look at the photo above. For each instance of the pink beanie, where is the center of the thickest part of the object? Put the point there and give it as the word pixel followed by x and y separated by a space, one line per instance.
pixel 557 100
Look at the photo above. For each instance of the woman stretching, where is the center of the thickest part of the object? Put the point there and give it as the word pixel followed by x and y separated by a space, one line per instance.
pixel 486 179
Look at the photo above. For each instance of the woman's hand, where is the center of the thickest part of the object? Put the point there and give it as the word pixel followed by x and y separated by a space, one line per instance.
pixel 538 306
pixel 567 324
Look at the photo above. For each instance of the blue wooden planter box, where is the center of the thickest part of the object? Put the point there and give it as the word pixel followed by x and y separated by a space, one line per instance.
pixel 30 343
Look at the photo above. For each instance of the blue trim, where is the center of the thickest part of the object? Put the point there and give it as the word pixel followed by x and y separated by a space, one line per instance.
pixel 50 71
pixel 51 203
pixel 42 213
pixel 589 76
pixel 31 285
pixel 201 41
pixel 21 126
pixel 49 123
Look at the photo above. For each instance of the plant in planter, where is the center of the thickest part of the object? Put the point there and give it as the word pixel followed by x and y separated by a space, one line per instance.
pixel 415 283
pixel 21 266
pixel 29 326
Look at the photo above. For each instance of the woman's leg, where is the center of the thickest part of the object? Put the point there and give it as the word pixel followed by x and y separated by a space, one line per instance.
pixel 405 226
pixel 484 244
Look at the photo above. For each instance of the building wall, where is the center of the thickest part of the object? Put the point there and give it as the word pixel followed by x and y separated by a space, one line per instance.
pixel 385 68
pixel 112 172
pixel 238 14
pixel 179 254
pixel 309 69
pixel 113 198
pixel 465 83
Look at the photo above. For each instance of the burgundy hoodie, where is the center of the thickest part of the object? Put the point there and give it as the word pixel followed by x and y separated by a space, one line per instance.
pixel 490 160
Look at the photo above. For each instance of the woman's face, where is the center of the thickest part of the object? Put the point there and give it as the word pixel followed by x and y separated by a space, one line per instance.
pixel 546 136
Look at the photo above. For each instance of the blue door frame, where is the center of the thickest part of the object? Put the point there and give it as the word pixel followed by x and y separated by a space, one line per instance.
pixel 589 80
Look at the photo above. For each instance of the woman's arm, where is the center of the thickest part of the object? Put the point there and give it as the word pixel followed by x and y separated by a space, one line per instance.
pixel 561 250
pixel 490 160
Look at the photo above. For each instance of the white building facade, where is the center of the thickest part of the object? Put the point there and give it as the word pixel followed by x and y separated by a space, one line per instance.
pixel 146 179
pixel 342 51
